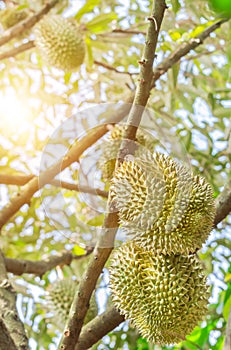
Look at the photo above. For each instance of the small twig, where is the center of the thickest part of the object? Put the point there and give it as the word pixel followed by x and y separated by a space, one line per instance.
pixel 128 31
pixel 19 267
pixel 26 24
pixel 107 66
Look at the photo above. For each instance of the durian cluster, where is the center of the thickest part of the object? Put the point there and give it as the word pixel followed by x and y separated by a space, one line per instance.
pixel 59 42
pixel 156 280
pixel 60 297
pixel 110 149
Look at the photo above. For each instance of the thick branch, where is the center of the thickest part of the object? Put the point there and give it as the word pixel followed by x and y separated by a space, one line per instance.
pixel 11 328
pixel 21 180
pixel 26 24
pixel 106 242
pixel 18 267
pixel 223 204
pixel 146 73
pixel 72 156
pixel 98 328
pixel 227 345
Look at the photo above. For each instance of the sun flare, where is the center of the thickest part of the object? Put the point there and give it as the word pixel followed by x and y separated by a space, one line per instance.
pixel 14 112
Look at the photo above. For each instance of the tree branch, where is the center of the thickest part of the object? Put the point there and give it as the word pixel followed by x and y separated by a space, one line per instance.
pixel 16 50
pixel 106 242
pixel 98 328
pixel 146 72
pixel 26 192
pixel 12 331
pixel 20 180
pixel 223 204
pixel 26 24
pixel 184 49
pixel 19 267
pixel 227 344
pixel 107 66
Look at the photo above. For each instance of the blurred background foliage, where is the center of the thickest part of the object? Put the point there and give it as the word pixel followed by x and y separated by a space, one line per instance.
pixel 190 105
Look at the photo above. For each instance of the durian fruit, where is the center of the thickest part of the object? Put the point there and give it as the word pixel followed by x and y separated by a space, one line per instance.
pixel 60 297
pixel 164 296
pixel 11 16
pixel 59 42
pixel 162 205
pixel 110 148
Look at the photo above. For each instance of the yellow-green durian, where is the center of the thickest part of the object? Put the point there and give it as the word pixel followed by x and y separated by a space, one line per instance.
pixel 11 16
pixel 110 148
pixel 162 205
pixel 164 296
pixel 59 42
pixel 60 297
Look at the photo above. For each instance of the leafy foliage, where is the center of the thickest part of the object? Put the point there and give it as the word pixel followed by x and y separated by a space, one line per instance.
pixel 190 115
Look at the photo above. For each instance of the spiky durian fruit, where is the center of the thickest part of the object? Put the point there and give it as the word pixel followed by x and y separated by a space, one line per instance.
pixel 11 16
pixel 60 297
pixel 59 42
pixel 110 148
pixel 162 206
pixel 164 296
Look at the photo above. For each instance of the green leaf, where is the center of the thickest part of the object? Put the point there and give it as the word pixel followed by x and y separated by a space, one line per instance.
pixel 88 7
pixel 100 23
pixel 175 5
pixel 77 250
pixel 97 221
pixel 90 57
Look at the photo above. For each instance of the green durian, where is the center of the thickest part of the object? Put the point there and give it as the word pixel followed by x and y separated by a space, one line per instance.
pixel 162 205
pixel 59 42
pixel 60 297
pixel 110 148
pixel 11 16
pixel 164 296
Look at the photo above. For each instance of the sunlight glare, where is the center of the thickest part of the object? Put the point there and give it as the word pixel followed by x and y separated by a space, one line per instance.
pixel 15 113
